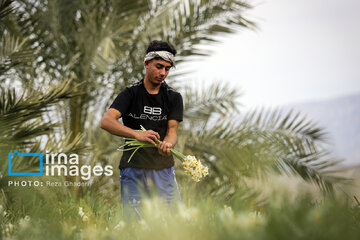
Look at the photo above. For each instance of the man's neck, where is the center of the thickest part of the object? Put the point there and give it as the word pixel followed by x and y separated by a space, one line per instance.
pixel 150 87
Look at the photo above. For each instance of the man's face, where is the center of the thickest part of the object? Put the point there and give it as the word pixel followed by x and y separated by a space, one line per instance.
pixel 157 70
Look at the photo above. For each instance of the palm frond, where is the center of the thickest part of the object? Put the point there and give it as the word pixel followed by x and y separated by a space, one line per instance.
pixel 188 23
pixel 25 128
pixel 291 129
pixel 13 48
pixel 13 52
pixel 258 143
pixel 21 115
pixel 6 7
pixel 202 102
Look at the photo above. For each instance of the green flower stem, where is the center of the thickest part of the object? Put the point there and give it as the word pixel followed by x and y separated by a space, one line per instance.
pixel 135 145
pixel 177 154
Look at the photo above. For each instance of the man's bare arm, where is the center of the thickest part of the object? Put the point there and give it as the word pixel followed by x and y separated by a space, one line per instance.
pixel 111 124
pixel 170 138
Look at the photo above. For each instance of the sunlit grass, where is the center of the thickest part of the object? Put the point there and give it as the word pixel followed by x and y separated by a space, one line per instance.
pixel 281 216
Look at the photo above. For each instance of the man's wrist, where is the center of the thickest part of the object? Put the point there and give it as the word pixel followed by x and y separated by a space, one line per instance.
pixel 170 145
pixel 170 142
pixel 135 134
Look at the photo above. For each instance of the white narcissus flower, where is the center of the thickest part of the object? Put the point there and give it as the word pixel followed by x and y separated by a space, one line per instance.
pixel 24 222
pixel 81 212
pixel 82 215
pixel 144 225
pixel 11 227
pixel 120 225
pixel 186 213
pixel 205 171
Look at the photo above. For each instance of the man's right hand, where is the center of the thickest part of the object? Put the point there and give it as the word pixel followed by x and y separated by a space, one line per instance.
pixel 111 124
pixel 148 136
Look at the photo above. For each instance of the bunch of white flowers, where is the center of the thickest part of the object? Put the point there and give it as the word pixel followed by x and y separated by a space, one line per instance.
pixel 194 168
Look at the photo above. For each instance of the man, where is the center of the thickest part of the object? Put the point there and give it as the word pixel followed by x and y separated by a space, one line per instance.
pixel 152 104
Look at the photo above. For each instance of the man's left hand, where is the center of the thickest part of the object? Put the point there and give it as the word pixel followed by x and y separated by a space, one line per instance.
pixel 164 148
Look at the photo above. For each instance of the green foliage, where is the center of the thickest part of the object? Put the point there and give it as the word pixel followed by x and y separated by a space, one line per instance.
pixel 6 8
pixel 101 44
pixel 253 145
pixel 24 125
pixel 22 116
pixel 13 49
pixel 204 218
pixel 203 103
pixel 25 128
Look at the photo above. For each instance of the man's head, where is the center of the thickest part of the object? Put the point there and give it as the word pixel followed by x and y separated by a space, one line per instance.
pixel 158 60
pixel 160 46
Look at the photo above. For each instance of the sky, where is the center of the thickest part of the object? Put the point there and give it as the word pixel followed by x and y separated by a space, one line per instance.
pixel 302 51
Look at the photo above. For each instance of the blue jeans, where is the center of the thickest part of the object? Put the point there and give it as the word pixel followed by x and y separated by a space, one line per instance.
pixel 138 182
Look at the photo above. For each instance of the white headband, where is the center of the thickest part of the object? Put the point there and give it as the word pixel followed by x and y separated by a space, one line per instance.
pixel 165 55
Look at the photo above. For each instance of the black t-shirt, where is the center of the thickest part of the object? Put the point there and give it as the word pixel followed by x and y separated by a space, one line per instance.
pixel 138 107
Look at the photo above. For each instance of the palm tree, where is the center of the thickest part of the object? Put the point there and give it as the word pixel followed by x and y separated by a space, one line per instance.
pixel 252 145
pixel 24 123
pixel 102 43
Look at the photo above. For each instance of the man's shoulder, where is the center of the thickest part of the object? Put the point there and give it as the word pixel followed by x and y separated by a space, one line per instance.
pixel 133 88
pixel 135 85
pixel 171 91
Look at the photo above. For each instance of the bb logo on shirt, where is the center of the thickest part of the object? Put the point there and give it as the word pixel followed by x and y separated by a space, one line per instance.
pixel 152 110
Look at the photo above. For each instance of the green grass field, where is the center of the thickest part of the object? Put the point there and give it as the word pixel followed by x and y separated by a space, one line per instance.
pixel 281 213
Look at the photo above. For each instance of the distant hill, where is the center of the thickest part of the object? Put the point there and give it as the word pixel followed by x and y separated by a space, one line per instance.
pixel 341 119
